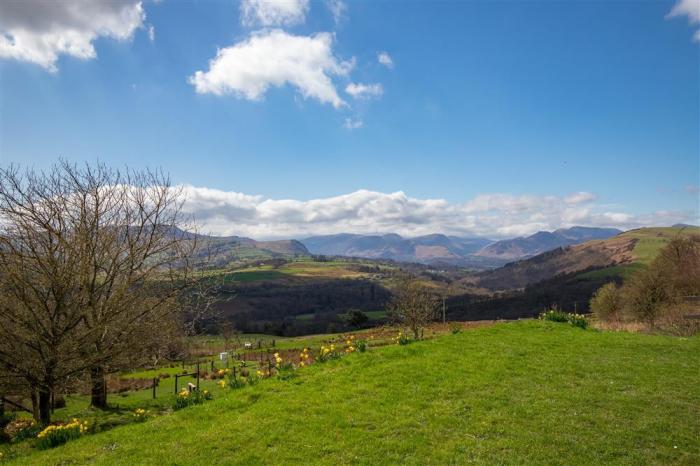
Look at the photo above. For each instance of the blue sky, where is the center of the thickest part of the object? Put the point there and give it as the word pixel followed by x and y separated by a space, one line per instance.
pixel 497 111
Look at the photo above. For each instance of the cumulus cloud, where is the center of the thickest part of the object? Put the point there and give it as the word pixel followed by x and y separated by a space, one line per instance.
pixel 273 12
pixel 689 8
pixel 385 59
pixel 39 31
pixel 364 91
pixel 275 58
pixel 489 215
pixel 338 9
pixel 353 123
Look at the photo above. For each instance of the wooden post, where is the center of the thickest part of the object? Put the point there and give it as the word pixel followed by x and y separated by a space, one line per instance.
pixel 197 376
pixel 443 310
pixel 154 387
pixel 176 376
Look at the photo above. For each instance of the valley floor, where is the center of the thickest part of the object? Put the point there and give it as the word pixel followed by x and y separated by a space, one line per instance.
pixel 526 392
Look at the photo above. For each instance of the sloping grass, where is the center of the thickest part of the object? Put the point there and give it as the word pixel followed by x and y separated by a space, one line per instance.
pixel 517 393
pixel 649 242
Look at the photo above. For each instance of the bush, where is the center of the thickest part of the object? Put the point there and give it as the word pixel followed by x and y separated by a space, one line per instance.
pixel 362 346
pixel 646 294
pixel 606 304
pixel 58 434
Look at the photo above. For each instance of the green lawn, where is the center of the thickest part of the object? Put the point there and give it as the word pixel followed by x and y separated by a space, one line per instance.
pixel 526 392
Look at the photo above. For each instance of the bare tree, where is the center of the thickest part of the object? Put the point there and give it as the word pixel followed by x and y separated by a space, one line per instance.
pixel 92 261
pixel 413 305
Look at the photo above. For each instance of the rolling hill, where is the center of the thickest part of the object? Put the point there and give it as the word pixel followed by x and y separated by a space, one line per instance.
pixel 225 250
pixel 616 256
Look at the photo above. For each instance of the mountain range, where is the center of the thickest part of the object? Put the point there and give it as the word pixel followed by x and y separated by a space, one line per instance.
pixel 434 249
pixel 543 241
pixel 442 249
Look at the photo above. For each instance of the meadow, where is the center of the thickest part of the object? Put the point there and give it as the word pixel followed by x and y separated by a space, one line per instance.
pixel 526 392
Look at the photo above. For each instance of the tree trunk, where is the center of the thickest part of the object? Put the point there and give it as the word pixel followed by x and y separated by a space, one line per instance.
pixel 35 405
pixel 44 406
pixel 99 387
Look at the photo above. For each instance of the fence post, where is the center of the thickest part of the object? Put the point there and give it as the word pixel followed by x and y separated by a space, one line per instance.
pixel 197 376
pixel 154 388
pixel 176 376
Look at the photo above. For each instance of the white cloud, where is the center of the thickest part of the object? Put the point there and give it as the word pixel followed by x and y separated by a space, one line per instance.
pixel 689 8
pixel 490 215
pixel 151 33
pixel 273 12
pixel 385 59
pixel 338 9
pixel 364 91
pixel 353 123
pixel 579 197
pixel 39 31
pixel 275 58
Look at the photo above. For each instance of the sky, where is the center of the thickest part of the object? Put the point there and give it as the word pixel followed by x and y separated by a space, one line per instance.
pixel 292 118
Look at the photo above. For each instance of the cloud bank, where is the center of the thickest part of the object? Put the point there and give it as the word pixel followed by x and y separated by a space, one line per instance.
pixel 490 215
pixel 275 58
pixel 39 31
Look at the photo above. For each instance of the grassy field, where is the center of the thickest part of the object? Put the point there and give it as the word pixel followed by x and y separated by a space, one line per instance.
pixel 526 392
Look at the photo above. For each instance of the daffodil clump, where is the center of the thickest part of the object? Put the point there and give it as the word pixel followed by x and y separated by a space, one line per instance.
pixel 555 315
pixel 401 338
pixel 187 398
pixel 350 344
pixel 221 373
pixel 304 357
pixel 58 434
pixel 326 353
pixel 140 414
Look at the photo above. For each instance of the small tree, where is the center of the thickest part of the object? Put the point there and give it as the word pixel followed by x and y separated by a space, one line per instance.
pixel 607 302
pixel 645 295
pixel 356 318
pixel 413 305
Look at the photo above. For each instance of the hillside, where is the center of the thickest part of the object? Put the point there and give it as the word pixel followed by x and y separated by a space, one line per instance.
pixel 615 256
pixel 225 250
pixel 527 392
pixel 543 241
